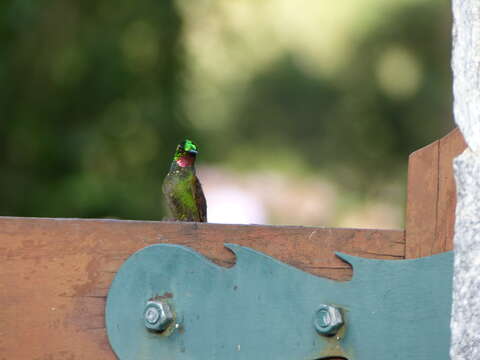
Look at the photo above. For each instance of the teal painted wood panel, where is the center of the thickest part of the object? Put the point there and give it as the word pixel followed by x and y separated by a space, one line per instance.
pixel 263 309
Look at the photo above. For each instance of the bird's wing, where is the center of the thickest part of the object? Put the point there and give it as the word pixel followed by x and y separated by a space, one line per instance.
pixel 200 199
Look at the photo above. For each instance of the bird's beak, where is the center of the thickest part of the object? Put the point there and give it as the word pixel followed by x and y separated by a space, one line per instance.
pixel 193 152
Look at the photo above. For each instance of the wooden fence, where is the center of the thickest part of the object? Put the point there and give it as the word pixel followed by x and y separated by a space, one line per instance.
pixel 55 273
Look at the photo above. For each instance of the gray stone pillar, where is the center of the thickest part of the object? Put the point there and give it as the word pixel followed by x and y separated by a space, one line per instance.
pixel 465 322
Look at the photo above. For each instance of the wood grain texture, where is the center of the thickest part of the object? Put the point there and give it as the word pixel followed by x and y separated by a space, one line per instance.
pixel 431 197
pixel 422 197
pixel 450 147
pixel 55 273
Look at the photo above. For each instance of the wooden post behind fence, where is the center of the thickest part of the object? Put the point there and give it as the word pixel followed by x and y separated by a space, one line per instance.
pixel 55 273
pixel 430 216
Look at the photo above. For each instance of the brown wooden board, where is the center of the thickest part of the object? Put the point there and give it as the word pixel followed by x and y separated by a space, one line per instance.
pixel 55 273
pixel 431 197
pixel 450 147
pixel 422 197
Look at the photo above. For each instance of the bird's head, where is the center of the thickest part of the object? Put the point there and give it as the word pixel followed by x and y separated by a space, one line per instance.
pixel 186 153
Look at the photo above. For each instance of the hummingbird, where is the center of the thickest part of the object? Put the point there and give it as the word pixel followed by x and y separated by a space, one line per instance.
pixel 181 187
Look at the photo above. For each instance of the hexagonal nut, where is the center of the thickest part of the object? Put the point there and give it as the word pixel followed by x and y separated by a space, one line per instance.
pixel 328 320
pixel 158 315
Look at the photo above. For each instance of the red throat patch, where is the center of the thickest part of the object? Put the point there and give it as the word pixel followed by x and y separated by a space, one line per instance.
pixel 185 161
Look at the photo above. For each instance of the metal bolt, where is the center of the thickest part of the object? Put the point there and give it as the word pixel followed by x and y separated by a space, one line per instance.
pixel 328 320
pixel 157 315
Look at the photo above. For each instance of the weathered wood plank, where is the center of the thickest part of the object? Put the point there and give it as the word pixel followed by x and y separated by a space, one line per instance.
pixel 55 273
pixel 431 197
pixel 422 197
pixel 451 146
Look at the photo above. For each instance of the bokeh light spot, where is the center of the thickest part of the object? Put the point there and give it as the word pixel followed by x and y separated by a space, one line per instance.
pixel 398 72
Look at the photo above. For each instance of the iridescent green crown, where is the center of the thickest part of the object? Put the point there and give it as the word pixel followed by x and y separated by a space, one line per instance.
pixel 186 146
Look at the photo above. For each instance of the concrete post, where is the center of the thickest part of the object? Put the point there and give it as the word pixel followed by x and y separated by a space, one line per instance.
pixel 465 322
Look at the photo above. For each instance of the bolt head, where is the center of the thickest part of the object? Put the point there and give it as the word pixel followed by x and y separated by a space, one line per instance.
pixel 157 315
pixel 152 315
pixel 328 320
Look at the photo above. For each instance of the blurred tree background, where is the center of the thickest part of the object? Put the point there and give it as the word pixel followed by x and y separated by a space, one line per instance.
pixel 305 112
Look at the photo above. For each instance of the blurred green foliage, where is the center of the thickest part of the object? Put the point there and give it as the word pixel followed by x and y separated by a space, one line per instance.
pixel 96 94
pixel 89 106
pixel 363 123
